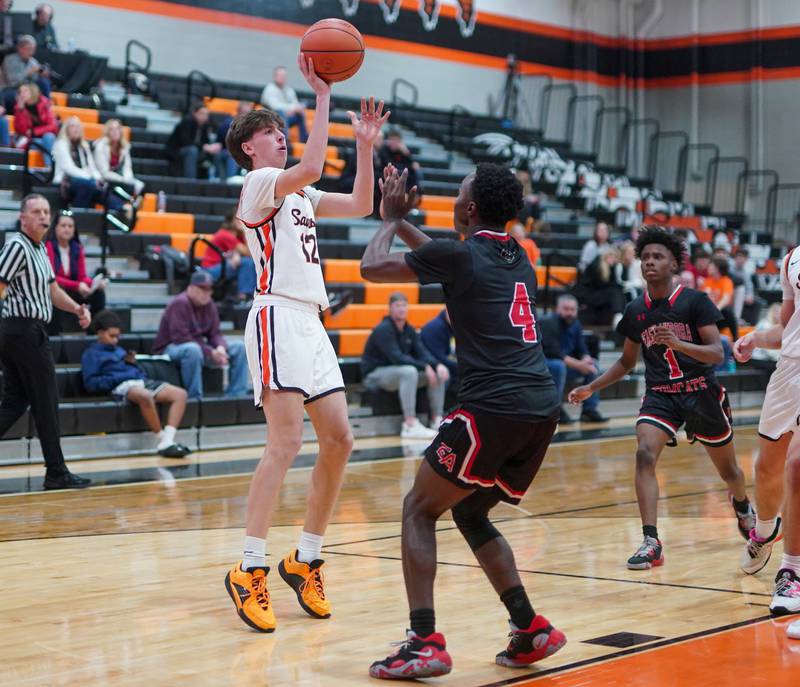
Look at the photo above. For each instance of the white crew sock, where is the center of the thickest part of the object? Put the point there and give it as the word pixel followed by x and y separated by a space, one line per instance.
pixel 310 547
pixel 764 528
pixel 790 562
pixel 255 553
pixel 166 437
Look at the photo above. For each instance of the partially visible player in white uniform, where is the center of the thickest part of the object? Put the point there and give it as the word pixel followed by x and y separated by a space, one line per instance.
pixel 777 474
pixel 292 362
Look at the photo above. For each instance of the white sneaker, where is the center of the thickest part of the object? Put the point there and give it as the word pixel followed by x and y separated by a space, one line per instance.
pixel 793 630
pixel 786 599
pixel 757 551
pixel 435 423
pixel 416 431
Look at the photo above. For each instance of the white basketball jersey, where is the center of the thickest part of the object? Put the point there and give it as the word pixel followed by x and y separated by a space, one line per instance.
pixel 282 237
pixel 790 285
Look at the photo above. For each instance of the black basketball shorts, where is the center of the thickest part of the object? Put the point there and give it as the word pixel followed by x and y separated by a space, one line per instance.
pixel 706 414
pixel 475 449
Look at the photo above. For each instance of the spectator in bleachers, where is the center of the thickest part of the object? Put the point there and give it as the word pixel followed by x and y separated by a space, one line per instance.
pixel 108 368
pixel 81 182
pixel 598 290
pixel 531 213
pixel 43 30
pixel 280 98
pixel 395 359
pixel 628 272
pixel 232 168
pixel 6 28
pixel 591 249
pixel 438 337
pixel 34 119
pixel 67 257
pixel 568 357
pixel 21 66
pixel 189 333
pixel 396 152
pixel 699 266
pixel 742 272
pixel 5 131
pixel 517 230
pixel 719 287
pixel 229 238
pixel 191 147
pixel 112 156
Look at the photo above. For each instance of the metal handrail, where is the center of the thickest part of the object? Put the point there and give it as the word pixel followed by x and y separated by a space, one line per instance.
pixel 683 163
pixel 630 124
pixel 29 176
pixel 772 208
pixel 598 129
pixel 573 105
pixel 713 167
pixel 741 184
pixel 111 220
pixel 130 65
pixel 396 100
pixel 193 262
pixel 190 81
pixel 455 111
pixel 654 147
pixel 546 94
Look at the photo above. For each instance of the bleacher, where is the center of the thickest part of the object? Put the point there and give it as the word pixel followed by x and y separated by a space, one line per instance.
pixel 580 192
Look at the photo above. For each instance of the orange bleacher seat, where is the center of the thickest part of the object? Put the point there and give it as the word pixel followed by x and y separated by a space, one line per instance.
pixel 438 203
pixel 150 202
pixel 165 223
pixel 343 271
pixel 59 99
pixel 378 294
pixel 331 152
pixel 335 130
pixel 223 105
pixel 441 219
pixel 352 341
pixel 86 115
pixel 368 316
pixel 36 159
pixel 558 273
pixel 184 241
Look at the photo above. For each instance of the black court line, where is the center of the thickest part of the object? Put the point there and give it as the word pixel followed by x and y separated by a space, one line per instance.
pixel 546 514
pixel 628 652
pixel 572 575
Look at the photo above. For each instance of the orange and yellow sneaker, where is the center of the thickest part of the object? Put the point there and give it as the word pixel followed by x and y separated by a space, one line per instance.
pixel 248 589
pixel 307 581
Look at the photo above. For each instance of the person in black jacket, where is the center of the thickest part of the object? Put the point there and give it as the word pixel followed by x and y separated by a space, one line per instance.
pixel 438 338
pixel 395 359
pixel 191 147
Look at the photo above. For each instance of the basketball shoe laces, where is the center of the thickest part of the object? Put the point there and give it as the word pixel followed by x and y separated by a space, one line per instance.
pixel 262 593
pixel 754 547
pixel 316 581
pixel 647 548
pixel 787 587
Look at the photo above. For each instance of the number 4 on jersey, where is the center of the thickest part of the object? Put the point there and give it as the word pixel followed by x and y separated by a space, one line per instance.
pixel 521 313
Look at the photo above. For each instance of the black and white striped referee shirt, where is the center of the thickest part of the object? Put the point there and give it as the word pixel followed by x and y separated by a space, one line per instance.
pixel 26 269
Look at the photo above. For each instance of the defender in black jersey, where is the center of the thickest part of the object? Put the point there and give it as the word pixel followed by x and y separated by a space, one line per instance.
pixel 677 328
pixel 491 446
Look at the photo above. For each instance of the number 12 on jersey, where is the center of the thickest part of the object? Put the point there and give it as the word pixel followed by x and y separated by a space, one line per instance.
pixel 521 313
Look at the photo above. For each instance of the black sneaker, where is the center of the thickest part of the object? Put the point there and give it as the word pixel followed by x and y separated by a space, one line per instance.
pixel 532 644
pixel 416 657
pixel 744 521
pixel 65 480
pixel 173 451
pixel 564 418
pixel 649 555
pixel 593 415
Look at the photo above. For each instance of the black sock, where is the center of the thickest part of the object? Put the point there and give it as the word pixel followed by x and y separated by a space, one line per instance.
pixel 650 531
pixel 742 506
pixel 423 622
pixel 519 607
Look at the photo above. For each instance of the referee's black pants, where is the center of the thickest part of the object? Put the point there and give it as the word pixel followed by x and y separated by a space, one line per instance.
pixel 30 380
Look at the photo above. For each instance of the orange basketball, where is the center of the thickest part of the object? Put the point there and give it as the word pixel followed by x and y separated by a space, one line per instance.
pixel 337 48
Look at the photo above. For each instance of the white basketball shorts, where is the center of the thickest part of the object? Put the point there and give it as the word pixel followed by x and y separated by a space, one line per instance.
pixel 781 410
pixel 288 349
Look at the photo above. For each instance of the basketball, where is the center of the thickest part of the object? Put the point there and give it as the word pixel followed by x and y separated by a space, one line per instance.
pixel 337 48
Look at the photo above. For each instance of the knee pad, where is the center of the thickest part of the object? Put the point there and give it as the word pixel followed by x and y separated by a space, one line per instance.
pixel 475 526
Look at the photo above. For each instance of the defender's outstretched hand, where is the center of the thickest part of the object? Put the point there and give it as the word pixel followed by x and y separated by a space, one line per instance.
pixel 580 394
pixel 367 127
pixel 396 203
pixel 306 66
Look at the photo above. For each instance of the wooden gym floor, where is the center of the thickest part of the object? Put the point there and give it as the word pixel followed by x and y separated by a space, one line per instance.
pixel 123 584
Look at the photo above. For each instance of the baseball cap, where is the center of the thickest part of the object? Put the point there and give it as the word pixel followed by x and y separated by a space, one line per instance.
pixel 202 279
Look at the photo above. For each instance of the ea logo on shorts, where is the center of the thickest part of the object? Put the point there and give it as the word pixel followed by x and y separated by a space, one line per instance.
pixel 446 456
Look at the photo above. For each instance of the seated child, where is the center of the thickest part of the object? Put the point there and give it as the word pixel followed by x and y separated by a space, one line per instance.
pixel 108 368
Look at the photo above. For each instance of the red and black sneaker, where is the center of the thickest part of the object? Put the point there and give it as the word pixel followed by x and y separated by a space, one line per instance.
pixel 649 555
pixel 416 657
pixel 538 641
pixel 744 521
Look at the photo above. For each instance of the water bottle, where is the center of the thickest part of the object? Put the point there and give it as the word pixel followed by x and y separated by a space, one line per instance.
pixel 161 205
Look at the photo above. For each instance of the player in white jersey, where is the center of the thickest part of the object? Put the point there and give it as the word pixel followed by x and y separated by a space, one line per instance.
pixel 777 474
pixel 291 359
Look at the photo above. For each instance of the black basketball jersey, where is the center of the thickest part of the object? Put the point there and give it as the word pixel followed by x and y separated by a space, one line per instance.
pixel 684 311
pixel 490 289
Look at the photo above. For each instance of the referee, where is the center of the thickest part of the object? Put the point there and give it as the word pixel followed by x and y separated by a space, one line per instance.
pixel 29 286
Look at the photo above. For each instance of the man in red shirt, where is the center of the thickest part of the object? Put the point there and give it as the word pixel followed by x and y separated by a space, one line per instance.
pixel 229 240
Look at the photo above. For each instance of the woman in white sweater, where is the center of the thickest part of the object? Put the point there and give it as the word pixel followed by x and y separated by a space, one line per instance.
pixel 112 156
pixel 75 170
